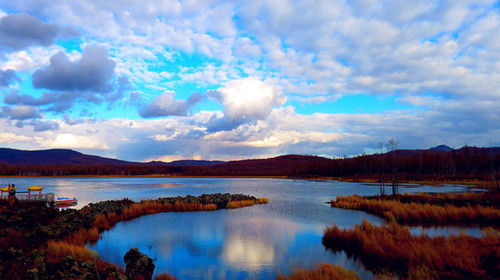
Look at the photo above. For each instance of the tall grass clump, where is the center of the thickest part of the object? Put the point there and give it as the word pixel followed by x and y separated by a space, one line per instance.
pixel 82 236
pixel 56 250
pixel 325 271
pixel 392 246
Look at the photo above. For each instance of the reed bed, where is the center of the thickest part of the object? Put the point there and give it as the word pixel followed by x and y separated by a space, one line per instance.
pixel 325 271
pixel 392 246
pixel 416 212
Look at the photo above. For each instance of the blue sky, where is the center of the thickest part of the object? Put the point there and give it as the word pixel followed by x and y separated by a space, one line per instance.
pixel 169 79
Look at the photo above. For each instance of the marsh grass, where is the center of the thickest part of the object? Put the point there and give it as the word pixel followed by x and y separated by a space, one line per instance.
pixel 393 246
pixel 429 209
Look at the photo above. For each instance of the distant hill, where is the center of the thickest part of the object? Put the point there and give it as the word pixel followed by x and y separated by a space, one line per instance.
pixel 441 148
pixel 287 164
pixel 54 157
pixel 70 157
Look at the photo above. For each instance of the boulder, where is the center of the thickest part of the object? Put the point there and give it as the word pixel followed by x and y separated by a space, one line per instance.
pixel 138 265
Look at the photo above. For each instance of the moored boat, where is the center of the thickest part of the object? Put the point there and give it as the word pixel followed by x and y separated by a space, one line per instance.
pixel 65 201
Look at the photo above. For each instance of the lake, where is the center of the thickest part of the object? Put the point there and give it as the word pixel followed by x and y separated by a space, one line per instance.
pixel 252 242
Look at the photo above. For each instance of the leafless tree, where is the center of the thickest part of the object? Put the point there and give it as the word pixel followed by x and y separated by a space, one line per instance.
pixel 392 148
pixel 381 170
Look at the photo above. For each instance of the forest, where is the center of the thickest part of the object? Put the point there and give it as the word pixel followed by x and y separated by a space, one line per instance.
pixel 464 164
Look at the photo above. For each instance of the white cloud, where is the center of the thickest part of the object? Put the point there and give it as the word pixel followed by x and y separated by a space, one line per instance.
pixel 71 141
pixel 11 138
pixel 250 98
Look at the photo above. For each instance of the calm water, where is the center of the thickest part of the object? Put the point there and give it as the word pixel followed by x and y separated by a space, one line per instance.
pixel 252 242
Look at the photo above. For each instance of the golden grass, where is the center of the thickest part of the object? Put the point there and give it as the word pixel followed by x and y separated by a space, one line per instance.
pixel 325 271
pixel 392 246
pixel 244 203
pixel 56 250
pixel 416 212
pixel 240 203
pixel 262 200
pixel 209 207
pixel 82 236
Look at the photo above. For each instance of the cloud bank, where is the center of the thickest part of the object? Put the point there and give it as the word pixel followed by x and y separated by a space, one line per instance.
pixel 225 80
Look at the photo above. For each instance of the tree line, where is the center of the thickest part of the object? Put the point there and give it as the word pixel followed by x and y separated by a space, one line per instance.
pixel 467 163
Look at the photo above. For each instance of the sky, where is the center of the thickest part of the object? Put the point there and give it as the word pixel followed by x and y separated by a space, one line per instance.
pixel 225 80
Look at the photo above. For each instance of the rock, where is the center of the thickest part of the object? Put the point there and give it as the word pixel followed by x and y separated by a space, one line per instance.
pixel 139 265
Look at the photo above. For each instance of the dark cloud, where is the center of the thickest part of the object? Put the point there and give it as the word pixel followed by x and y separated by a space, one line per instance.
pixel 166 105
pixel 226 124
pixel 8 77
pixel 59 102
pixel 40 125
pixel 22 30
pixel 20 112
pixel 93 72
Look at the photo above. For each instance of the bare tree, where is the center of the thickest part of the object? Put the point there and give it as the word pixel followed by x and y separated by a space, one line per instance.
pixel 392 147
pixel 381 170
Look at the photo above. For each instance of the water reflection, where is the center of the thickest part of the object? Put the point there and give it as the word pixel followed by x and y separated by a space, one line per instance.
pixel 239 243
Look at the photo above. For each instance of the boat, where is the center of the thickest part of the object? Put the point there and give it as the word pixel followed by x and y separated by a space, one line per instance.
pixel 65 201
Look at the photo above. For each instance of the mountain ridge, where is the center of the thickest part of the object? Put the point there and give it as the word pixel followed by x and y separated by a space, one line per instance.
pixel 71 157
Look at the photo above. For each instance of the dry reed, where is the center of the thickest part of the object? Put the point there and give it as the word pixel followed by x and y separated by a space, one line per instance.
pixel 392 246
pixel 414 212
pixel 56 250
